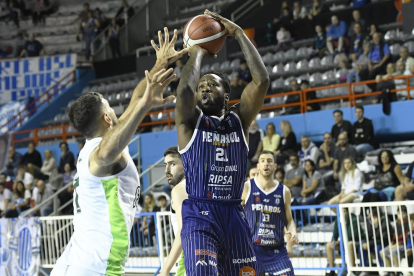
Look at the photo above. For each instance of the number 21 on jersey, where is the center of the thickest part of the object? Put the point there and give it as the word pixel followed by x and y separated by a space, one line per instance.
pixel 221 155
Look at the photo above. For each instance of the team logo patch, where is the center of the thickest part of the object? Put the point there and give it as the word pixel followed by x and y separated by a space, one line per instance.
pixel 247 271
pixel 277 200
pixel 257 240
pixel 207 123
pixel 209 194
pixel 201 262
pixel 256 199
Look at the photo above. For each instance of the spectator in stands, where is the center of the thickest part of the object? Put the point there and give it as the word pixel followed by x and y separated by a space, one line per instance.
pixel 69 175
pixel 163 203
pixel 327 155
pixel 13 14
pixel 319 41
pixel 18 45
pixel 372 30
pixel 357 41
pixel 294 177
pixel 376 224
pixel 271 140
pixel 294 87
pixel 40 193
pixel 6 181
pixel 280 175
pixel 83 17
pixel 397 245
pixel 66 158
pixel 253 172
pixel 92 26
pixel 64 197
pixel 244 73
pixel 283 38
pixel 343 150
pixel 353 236
pixel 24 176
pixel 406 190
pixel 299 11
pixel 313 185
pixel 389 177
pixel 103 21
pixel 21 203
pixel 359 3
pixel 288 144
pixel 32 48
pixel 308 151
pixel 407 60
pixel 341 126
pixel 390 71
pixel 285 5
pixel 32 156
pixel 304 85
pixel 5 198
pixel 177 71
pixel 81 144
pixel 379 55
pixel 49 167
pixel 39 12
pixel 386 82
pixel 13 160
pixel 351 180
pixel 357 20
pixel 236 88
pixel 363 132
pixel 336 33
pixel 318 7
pixel 256 136
pixel 360 64
pixel 148 224
pixel 127 12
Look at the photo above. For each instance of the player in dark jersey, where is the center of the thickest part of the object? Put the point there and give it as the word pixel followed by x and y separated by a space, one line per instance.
pixel 212 142
pixel 267 208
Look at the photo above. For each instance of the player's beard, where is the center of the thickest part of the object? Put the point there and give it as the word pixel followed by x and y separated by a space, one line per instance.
pixel 213 107
pixel 176 178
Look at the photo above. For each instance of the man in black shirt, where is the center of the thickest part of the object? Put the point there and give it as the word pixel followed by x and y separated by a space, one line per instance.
pixel 33 160
pixel 304 85
pixel 344 150
pixel 32 48
pixel 294 87
pixel 66 158
pixel 363 132
pixel 256 136
pixel 341 126
pixel 406 190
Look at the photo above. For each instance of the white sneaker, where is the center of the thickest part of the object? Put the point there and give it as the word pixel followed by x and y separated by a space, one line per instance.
pixel 383 273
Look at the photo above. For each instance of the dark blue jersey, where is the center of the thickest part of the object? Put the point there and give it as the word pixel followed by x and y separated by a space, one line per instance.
pixel 215 158
pixel 266 215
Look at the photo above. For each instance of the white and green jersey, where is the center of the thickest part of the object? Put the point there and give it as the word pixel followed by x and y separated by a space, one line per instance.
pixel 104 210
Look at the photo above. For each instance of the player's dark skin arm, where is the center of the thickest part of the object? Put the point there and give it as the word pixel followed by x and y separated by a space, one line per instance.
pixel 253 95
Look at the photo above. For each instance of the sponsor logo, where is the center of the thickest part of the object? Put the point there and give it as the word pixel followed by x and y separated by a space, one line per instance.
pixel 221 196
pixel 245 260
pixel 201 262
pixel 265 225
pixel 265 232
pixel 247 271
pixel 137 194
pixel 204 213
pixel 268 242
pixel 277 201
pixel 210 262
pixel 207 123
pixel 282 272
pixel 220 180
pixel 206 252
pixel 209 194
pixel 220 139
pixel 266 200
pixel 265 208
pixel 256 193
pixel 256 199
pixel 231 168
pixel 257 240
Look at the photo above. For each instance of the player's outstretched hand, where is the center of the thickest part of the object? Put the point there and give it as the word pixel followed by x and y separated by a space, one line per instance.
pixel 293 238
pixel 166 47
pixel 231 27
pixel 156 86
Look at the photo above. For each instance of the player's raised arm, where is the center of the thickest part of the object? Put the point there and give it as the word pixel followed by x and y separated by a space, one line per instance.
pixel 186 114
pixel 290 223
pixel 166 54
pixel 121 131
pixel 253 95
pixel 245 192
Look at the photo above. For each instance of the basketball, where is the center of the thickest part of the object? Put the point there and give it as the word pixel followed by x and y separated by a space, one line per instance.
pixel 205 31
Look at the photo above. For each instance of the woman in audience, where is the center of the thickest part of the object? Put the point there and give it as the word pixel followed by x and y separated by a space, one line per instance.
pixel 389 176
pixel 280 174
pixel 272 140
pixel 372 30
pixel 361 63
pixel 148 224
pixel 49 166
pixel 352 179
pixel 313 185
pixel 288 144
pixel 21 203
pixel 283 37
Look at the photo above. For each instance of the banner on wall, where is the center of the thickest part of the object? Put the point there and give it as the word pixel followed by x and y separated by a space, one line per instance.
pixel 30 77
pixel 8 111
pixel 19 247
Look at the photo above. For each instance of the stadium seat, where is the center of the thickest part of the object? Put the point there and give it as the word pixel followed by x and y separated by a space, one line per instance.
pixel 395 49
pixel 303 65
pixel 86 90
pixel 342 90
pixel 58 118
pixel 279 56
pixel 278 85
pixel 276 100
pixel 268 58
pixel 225 66
pixel 327 61
pixel 290 67
pixel 390 35
pixel 329 77
pixel 70 129
pixel 269 70
pixel 303 77
pixel 315 79
pixel 315 63
pixel 287 82
pixel 290 55
pixel 215 66
pixel 133 83
pixel 205 68
pixel 410 46
pixel 118 109
pixel 235 65
pixel 340 73
pixel 340 55
pixel 278 69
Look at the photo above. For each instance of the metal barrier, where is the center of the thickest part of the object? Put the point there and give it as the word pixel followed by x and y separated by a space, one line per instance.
pixel 315 228
pixel 144 251
pixel 368 249
pixel 166 237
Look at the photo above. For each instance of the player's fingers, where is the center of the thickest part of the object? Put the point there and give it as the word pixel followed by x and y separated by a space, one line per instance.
pixel 169 80
pixel 147 77
pixel 157 75
pixel 169 99
pixel 154 46
pixel 183 51
pixel 174 38
pixel 164 75
pixel 160 41
pixel 167 35
pixel 214 15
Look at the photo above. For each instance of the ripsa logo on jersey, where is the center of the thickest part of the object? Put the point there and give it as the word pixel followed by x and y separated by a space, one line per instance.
pixel 265 232
pixel 220 139
pixel 220 180
pixel 265 208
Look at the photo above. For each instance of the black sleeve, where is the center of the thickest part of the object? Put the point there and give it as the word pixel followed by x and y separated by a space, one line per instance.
pixel 24 159
pixel 334 137
pixel 370 131
pixel 409 173
pixel 349 129
pixel 290 142
pixel 38 160
pixel 71 161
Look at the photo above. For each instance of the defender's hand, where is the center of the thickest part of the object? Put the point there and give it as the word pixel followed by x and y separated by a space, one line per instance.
pixel 166 50
pixel 155 87
pixel 232 28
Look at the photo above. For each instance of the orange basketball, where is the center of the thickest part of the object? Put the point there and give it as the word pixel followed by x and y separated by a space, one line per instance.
pixel 205 31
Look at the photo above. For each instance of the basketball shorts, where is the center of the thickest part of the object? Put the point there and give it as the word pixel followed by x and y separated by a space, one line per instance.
pixel 181 268
pixel 275 260
pixel 216 239
pixel 70 270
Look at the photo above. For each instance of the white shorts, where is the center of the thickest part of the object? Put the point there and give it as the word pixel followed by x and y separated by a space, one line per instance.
pixel 70 270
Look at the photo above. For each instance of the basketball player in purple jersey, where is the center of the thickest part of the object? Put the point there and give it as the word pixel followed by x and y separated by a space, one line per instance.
pixel 213 145
pixel 267 209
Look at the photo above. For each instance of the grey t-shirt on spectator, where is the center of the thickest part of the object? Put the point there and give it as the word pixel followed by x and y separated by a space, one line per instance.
pixel 292 174
pixel 340 154
pixel 316 175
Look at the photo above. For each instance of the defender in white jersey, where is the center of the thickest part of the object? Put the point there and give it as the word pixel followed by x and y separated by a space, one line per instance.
pixel 107 184
pixel 174 171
